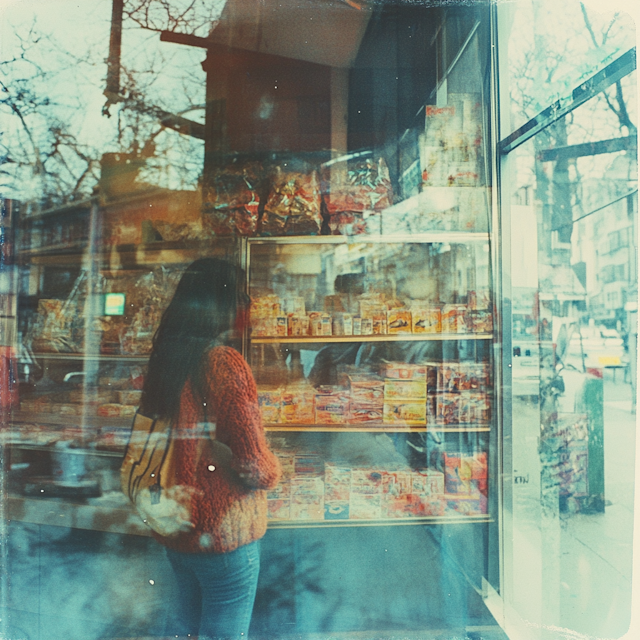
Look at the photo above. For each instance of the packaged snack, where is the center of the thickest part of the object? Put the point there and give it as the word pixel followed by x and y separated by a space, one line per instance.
pixel 365 388
pixel 287 464
pixel 337 487
pixel 298 405
pixel 332 409
pixel 307 498
pixel 308 464
pixel 279 509
pixel 403 371
pixel 479 407
pixel 453 318
pixel 231 201
pixel 399 321
pixel 405 389
pixel 294 325
pixel 404 413
pixel 361 186
pixel 326 325
pixel 270 403
pixel 293 205
pixel 366 326
pixel 427 482
pixel 366 481
pixel 426 320
pixel 480 321
pixel 447 408
pixel 282 326
pixel 363 412
pixel 315 323
pixel 396 483
pixel 357 326
pixel 466 505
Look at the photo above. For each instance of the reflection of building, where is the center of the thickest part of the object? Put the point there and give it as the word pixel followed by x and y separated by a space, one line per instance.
pixel 608 239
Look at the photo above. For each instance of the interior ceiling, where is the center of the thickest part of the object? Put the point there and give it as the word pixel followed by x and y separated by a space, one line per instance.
pixel 327 32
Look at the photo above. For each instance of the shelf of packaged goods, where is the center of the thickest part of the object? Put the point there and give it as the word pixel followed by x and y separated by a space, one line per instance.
pixel 406 337
pixel 116 516
pixel 29 417
pixel 32 446
pixel 106 357
pixel 415 238
pixel 433 520
pixel 129 255
pixel 376 428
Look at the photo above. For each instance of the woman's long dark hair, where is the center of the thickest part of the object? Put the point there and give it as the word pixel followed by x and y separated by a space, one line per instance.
pixel 202 309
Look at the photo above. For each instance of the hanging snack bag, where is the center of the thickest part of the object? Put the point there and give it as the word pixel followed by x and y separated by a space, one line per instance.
pixel 293 205
pixel 231 201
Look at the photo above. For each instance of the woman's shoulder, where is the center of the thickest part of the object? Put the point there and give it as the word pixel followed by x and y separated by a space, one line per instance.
pixel 223 355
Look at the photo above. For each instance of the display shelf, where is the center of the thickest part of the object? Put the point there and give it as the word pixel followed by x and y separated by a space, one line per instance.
pixel 31 446
pixel 375 428
pixel 106 357
pixel 405 337
pixel 120 517
pixel 134 256
pixel 429 520
pixel 460 237
pixel 22 417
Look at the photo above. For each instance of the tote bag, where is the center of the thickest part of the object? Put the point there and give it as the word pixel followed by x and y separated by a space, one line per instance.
pixel 148 480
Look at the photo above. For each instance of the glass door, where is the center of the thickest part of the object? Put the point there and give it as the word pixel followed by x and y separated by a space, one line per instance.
pixel 568 168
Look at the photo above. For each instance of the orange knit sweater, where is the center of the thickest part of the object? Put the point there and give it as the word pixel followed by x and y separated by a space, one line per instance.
pixel 228 512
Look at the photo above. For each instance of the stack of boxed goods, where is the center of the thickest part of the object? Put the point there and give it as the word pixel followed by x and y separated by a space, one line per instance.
pixel 231 200
pixel 367 398
pixel 450 145
pixel 462 394
pixel 466 483
pixel 273 317
pixel 300 494
pixel 405 394
pixel 311 490
pixel 293 204
pixel 332 405
pixel 353 192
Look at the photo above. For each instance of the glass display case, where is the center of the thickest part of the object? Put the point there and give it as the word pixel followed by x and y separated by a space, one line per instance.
pixel 372 357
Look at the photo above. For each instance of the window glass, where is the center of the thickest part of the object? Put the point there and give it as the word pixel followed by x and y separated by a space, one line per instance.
pixel 574 332
pixel 553 47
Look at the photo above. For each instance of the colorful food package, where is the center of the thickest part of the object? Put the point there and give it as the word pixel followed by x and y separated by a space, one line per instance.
pixel 366 388
pixel 307 498
pixel 279 509
pixel 479 408
pixel 231 200
pixel 332 408
pixel 427 482
pixel 365 480
pixel 350 223
pixel 454 318
pixel 270 403
pixel 365 412
pixel 396 483
pixel 448 408
pixel 361 186
pixel 426 320
pixel 115 410
pixel 298 404
pixel 337 483
pixel 405 413
pixel 399 321
pixel 465 505
pixel 404 371
pixel 287 464
pixel 405 389
pixel 293 205
pixel 480 321
pixel 308 464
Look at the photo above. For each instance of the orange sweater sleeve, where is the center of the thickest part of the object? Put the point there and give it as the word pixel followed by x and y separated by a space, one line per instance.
pixel 232 392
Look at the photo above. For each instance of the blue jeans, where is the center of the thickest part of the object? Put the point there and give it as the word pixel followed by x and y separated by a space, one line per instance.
pixel 216 592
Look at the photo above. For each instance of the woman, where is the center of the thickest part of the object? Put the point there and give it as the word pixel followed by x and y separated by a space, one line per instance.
pixel 196 378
